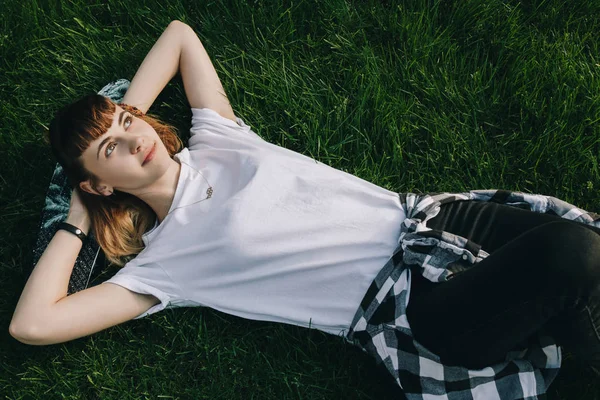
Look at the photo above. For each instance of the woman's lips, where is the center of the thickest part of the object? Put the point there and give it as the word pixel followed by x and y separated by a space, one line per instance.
pixel 150 155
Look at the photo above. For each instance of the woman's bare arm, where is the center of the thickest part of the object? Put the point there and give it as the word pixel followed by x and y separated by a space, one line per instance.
pixel 202 85
pixel 46 315
pixel 179 49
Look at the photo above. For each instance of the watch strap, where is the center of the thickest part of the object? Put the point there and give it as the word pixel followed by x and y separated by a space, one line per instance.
pixel 73 229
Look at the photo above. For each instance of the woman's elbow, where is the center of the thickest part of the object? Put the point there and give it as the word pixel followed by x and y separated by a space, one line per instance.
pixel 176 24
pixel 24 334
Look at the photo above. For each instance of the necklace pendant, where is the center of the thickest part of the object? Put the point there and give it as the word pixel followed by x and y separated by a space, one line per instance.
pixel 209 192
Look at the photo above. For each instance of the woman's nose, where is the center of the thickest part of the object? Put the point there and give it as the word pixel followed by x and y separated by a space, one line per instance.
pixel 138 144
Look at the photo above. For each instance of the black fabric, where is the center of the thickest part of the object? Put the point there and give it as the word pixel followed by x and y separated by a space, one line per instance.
pixel 489 224
pixel 543 273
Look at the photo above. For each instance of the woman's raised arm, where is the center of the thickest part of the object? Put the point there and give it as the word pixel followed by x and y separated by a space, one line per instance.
pixel 179 48
pixel 46 315
pixel 202 85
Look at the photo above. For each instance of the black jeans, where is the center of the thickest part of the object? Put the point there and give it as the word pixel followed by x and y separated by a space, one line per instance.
pixel 543 272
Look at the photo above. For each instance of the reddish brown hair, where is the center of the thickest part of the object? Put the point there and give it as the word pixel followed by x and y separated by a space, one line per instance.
pixel 119 220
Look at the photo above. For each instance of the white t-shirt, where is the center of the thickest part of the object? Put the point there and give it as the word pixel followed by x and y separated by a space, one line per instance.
pixel 283 238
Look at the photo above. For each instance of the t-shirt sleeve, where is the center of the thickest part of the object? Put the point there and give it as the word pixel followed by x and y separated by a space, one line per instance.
pixel 208 119
pixel 148 279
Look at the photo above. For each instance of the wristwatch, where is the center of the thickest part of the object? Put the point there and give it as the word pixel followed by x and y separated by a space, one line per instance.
pixel 73 229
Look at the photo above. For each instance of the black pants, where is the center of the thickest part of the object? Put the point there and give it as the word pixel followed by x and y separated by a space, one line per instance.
pixel 543 272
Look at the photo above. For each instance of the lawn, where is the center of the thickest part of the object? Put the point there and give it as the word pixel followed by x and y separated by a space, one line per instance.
pixel 415 96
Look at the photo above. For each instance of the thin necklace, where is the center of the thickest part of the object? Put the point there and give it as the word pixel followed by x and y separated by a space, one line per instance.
pixel 209 191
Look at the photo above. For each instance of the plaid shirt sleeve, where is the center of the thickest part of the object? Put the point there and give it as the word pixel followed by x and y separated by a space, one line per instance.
pixel 526 373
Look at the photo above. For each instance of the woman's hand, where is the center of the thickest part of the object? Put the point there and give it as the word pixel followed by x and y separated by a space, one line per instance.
pixel 78 215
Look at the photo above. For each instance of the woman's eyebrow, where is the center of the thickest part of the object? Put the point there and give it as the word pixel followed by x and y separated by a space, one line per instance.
pixel 121 117
pixel 110 137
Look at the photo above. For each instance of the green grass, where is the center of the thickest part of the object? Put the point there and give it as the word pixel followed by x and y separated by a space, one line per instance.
pixel 413 96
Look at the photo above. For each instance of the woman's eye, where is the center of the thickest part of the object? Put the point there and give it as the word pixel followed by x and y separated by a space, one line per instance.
pixel 126 124
pixel 108 147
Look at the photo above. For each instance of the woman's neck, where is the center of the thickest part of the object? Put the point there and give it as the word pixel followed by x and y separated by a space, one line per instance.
pixel 161 196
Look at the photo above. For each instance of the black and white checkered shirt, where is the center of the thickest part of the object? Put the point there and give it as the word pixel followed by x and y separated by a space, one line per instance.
pixel 527 372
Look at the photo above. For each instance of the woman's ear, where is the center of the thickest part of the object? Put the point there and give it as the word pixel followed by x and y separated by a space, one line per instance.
pixel 87 187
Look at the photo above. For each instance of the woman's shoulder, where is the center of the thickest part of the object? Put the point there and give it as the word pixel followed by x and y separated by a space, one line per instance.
pixel 211 120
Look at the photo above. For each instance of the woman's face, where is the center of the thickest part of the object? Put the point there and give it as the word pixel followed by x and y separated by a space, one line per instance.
pixel 117 157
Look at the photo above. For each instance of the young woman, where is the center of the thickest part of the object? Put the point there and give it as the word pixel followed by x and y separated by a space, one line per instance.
pixel 249 228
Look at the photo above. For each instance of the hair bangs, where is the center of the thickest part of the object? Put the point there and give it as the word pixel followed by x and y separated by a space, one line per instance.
pixel 88 124
pixel 76 126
